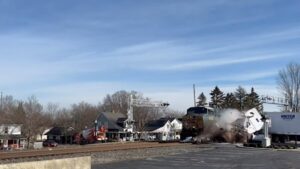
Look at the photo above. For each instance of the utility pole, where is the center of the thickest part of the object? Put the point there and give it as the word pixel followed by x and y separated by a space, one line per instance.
pixel 194 91
pixel 1 101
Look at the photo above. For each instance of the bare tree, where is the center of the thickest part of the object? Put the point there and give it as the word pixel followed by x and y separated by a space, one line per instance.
pixel 35 120
pixel 119 102
pixel 142 115
pixel 32 122
pixel 52 109
pixel 83 115
pixel 240 95
pixel 63 118
pixel 289 84
pixel 8 107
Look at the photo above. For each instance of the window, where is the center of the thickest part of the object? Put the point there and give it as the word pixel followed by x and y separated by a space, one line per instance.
pixel 5 130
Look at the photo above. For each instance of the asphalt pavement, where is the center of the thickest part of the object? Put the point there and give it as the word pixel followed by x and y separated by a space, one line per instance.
pixel 220 156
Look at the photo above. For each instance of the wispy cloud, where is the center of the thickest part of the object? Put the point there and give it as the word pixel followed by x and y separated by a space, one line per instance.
pixel 53 49
pixel 200 64
pixel 246 75
pixel 173 55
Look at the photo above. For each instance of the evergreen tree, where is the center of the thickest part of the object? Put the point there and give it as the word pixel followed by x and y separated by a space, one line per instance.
pixel 252 100
pixel 201 100
pixel 240 95
pixel 230 101
pixel 217 98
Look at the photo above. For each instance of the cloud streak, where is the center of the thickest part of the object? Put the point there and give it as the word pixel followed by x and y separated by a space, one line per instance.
pixel 246 76
pixel 201 64
pixel 53 49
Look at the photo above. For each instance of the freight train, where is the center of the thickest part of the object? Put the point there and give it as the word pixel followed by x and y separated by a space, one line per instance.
pixel 252 126
pixel 206 125
pixel 193 121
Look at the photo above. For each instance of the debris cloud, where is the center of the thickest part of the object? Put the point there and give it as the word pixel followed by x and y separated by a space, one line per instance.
pixel 225 127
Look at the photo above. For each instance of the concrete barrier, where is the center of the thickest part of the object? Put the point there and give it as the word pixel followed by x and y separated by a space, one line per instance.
pixel 66 163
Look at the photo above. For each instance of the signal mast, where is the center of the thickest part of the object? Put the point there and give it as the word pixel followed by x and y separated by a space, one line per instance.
pixel 129 122
pixel 275 100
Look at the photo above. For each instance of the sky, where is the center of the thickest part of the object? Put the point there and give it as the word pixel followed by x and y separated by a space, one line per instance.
pixel 67 51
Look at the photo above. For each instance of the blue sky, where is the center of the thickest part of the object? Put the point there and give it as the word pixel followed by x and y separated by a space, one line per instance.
pixel 65 51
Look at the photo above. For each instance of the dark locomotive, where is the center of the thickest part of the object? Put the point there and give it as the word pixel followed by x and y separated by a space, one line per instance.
pixel 193 121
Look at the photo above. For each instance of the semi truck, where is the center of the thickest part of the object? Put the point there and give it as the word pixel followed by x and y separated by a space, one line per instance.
pixel 285 126
pixel 279 127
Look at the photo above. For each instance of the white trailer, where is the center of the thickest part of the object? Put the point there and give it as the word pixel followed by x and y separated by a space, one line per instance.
pixel 285 126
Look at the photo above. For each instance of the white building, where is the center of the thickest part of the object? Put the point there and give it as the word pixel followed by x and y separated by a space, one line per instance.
pixel 43 136
pixel 163 129
pixel 10 136
pixel 176 128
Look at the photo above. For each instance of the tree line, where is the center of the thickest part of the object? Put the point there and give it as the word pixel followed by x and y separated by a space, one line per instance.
pixel 36 118
pixel 239 99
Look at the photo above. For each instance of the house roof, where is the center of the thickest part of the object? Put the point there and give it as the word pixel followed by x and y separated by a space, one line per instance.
pixel 198 111
pixel 114 121
pixel 55 131
pixel 155 124
pixel 59 131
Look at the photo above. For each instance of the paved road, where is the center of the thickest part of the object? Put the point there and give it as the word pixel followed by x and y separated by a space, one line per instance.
pixel 224 157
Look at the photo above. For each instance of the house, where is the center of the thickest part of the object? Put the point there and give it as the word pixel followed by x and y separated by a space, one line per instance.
pixel 176 128
pixel 162 129
pixel 60 135
pixel 11 136
pixel 114 123
pixel 43 136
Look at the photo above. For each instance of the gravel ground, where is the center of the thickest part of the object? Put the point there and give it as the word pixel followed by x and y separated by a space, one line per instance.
pixel 116 156
pixel 41 158
pixel 120 155
pixel 220 156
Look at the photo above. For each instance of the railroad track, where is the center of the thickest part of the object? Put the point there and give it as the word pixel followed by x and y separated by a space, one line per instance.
pixel 81 149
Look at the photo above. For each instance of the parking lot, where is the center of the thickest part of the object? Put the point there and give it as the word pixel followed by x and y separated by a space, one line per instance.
pixel 219 156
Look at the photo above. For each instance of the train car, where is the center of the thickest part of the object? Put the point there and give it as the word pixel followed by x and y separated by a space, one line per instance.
pixel 193 121
pixel 207 125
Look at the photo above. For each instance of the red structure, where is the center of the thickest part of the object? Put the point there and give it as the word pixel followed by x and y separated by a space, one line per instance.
pixel 89 136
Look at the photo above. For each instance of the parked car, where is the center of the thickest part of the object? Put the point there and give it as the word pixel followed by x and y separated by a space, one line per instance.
pixel 187 140
pixel 50 143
